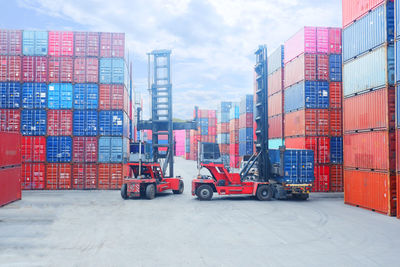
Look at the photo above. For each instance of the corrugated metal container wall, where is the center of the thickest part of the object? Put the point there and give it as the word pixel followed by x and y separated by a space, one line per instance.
pixel 322 40
pixel 59 149
pixel 86 44
pixel 60 96
pixel 10 68
pixel 320 146
pixel 245 120
pixel 274 105
pixel 112 44
pixel 275 82
pixel 304 41
pixel 275 60
pixel 336 150
pixel 61 69
pixel 84 149
pixel 33 149
pixel 10 120
pixel 11 42
pixel 335 41
pixel 86 70
pixel 309 94
pixel 369 32
pixel 335 68
pixel 336 182
pixel 113 149
pixel 34 43
pixel 34 95
pixel 34 69
pixel 372 70
pixel 113 96
pixel 10 185
pixel 58 176
pixel 112 70
pixel 33 122
pixel 59 122
pixel 10 95
pixel 335 95
pixel 33 176
pixel 85 123
pixel 301 68
pixel 246 105
pixel 275 126
pixel 61 43
pixel 10 149
pixel 397 60
pixel 113 123
pixel 275 143
pixel 335 122
pixel 111 176
pixel 353 10
pixel 307 122
pixel 86 96
pixel 84 176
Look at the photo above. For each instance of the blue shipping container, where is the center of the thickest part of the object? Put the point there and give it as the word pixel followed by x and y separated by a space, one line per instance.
pixel 113 123
pixel 34 43
pixel 335 68
pixel 275 60
pixel 204 130
pixel 247 104
pixel 246 134
pixel 234 112
pixel 369 32
pixel 60 96
pixel 34 95
pixel 397 26
pixel 85 123
pixel 10 95
pixel 223 138
pixel 33 122
pixel 246 148
pixel 203 122
pixel 398 60
pixel 309 94
pixel 112 70
pixel 298 165
pixel 275 143
pixel 114 149
pixel 59 149
pixel 336 149
pixel 86 96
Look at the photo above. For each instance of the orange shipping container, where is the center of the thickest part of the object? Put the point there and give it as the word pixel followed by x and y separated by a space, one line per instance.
pixel 111 175
pixel 307 122
pixel 371 190
pixel 336 178
pixel 58 176
pixel 335 95
pixel 275 129
pixel 335 122
pixel 275 104
pixel 84 176
pixel 275 82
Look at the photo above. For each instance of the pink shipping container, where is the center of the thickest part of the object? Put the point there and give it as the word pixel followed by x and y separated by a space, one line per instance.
pixel 84 176
pixel 10 42
pixel 112 44
pixel 34 69
pixel 10 120
pixel 10 68
pixel 354 9
pixel 274 105
pixel 10 185
pixel 59 122
pixel 212 114
pixel 375 150
pixel 335 41
pixel 10 149
pixel 84 149
pixel 180 138
pixel 33 176
pixel 304 41
pixel 60 69
pixel 86 70
pixel 33 148
pixel 61 43
pixel 275 82
pixel 322 40
pixel 86 44
pixel 275 129
pixel 307 122
pixel 301 68
pixel 113 96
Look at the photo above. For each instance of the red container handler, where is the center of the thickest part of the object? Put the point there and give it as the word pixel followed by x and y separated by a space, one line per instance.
pixel 246 120
pixel 275 82
pixel 113 96
pixel 275 106
pixel 335 122
pixel 84 149
pixel 34 69
pixel 10 149
pixel 10 68
pixel 372 110
pixel 86 44
pixel 111 175
pixel 10 185
pixel 61 43
pixel 371 190
pixel 303 67
pixel 336 178
pixel 84 176
pixel 33 148
pixel 335 95
pixel 33 176
pixel 10 120
pixel 112 44
pixel 58 176
pixel 86 70
pixel 59 122
pixel 275 129
pixel 320 146
pixel 307 122
pixel 11 42
pixel 375 150
pixel 322 178
pixel 60 69
pixel 353 10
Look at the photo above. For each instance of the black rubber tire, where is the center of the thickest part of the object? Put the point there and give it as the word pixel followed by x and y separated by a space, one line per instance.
pixel 264 192
pixel 124 193
pixel 150 191
pixel 204 192
pixel 303 196
pixel 181 188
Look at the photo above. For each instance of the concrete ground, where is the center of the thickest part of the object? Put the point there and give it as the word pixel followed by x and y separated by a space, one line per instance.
pixel 98 228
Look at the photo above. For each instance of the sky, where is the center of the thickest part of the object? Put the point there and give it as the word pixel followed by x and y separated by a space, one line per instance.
pixel 212 41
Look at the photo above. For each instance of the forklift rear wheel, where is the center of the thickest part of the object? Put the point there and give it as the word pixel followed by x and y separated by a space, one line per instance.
pixel 150 191
pixel 264 192
pixel 181 188
pixel 204 192
pixel 124 194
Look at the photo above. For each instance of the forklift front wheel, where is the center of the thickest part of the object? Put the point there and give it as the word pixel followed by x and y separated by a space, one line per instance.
pixel 150 191
pixel 264 192
pixel 181 188
pixel 204 192
pixel 124 194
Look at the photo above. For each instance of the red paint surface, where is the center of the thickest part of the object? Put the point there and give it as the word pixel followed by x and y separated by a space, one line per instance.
pixel 33 149
pixel 307 122
pixel 84 176
pixel 245 121
pixel 10 120
pixel 112 44
pixel 111 175
pixel 224 149
pixel 234 161
pixel 33 176
pixel 10 149
pixel 335 122
pixel 322 40
pixel 61 43
pixel 10 185
pixel 86 70
pixel 60 69
pixel 58 176
pixel 354 9
pixel 275 127
pixel 59 122
pixel 10 68
pixel 322 180
pixel 86 44
pixel 335 95
pixel 234 125
pixel 320 146
pixel 275 104
pixel 113 96
pixel 275 82
pixel 322 67
pixel 84 149
pixel 335 41
pixel 234 137
pixel 223 127
pixel 336 178
pixel 34 69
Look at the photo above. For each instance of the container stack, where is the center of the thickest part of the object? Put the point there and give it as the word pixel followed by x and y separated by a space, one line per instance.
pixel 312 81
pixel 68 91
pixel 187 144
pixel 369 105
pixel 246 123
pixel 234 135
pixel 180 137
pixel 397 80
pixel 223 139
pixel 275 98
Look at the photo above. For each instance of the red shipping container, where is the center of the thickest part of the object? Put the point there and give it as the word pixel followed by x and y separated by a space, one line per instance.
pixel 212 114
pixel 275 82
pixel 335 95
pixel 60 69
pixel 212 130
pixel 234 137
pixel 246 120
pixel 234 162
pixel 275 106
pixel 234 149
pixel 86 44
pixel 374 150
pixel 86 70
pixel 34 69
pixel 33 176
pixel 320 146
pixel 10 68
pixel 224 149
pixel 335 122
pixel 33 148
pixel 353 10
pixel 307 122
pixel 10 185
pixel 335 41
pixel 322 40
pixel 84 176
pixel 58 176
pixel 207 138
pixel 301 68
pixel 10 120
pixel 371 190
pixel 223 127
pixel 304 41
pixel 398 195
pixel 275 129
pixel 113 96
pixel 61 43
pixel 322 67
pixel 11 42
pixel 372 110
pixel 84 149
pixel 336 179
pixel 321 182
pixel 212 122
pixel 59 122
pixel 112 44
pixel 111 175
pixel 10 149
pixel 234 125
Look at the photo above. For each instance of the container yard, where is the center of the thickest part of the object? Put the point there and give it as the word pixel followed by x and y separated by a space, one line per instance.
pixel 262 142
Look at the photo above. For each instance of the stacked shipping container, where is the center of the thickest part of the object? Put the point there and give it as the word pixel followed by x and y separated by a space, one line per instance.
pixel 312 101
pixel 223 139
pixel 66 90
pixel 369 105
pixel 234 115
pixel 246 123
